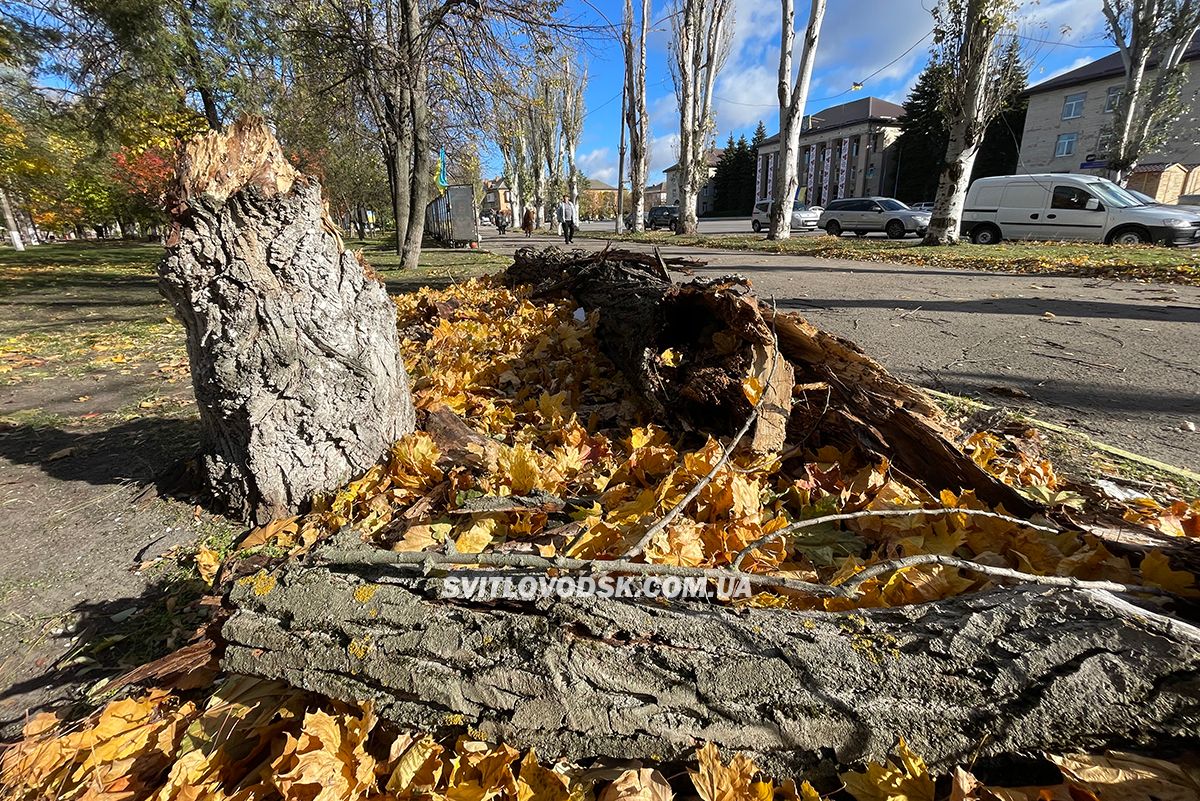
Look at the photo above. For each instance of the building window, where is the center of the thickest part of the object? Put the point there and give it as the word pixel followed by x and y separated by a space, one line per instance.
pixel 1065 146
pixel 1111 98
pixel 1073 106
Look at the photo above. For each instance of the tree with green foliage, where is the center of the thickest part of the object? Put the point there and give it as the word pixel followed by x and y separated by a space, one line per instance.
pixel 924 136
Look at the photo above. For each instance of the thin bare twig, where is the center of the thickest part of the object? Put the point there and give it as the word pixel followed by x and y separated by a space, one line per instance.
pixel 883 568
pixel 816 521
pixel 676 510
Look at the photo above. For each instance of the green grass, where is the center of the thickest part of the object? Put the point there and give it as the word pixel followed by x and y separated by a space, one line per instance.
pixel 1138 262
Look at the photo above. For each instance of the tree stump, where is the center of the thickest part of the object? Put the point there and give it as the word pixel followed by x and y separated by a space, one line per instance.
pixel 292 339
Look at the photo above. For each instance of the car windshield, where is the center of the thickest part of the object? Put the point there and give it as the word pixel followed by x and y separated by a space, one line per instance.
pixel 892 205
pixel 1113 195
pixel 798 206
pixel 1145 199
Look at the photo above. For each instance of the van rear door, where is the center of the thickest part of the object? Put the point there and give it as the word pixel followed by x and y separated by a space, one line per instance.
pixel 1022 209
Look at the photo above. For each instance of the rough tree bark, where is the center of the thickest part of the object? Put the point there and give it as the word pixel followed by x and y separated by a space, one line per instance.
pixel 977 73
pixel 635 110
pixel 702 35
pixel 1011 671
pixel 292 340
pixel 792 99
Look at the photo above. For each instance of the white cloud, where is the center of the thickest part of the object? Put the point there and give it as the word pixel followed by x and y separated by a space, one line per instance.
pixel 664 151
pixel 1043 75
pixel 743 97
pixel 599 164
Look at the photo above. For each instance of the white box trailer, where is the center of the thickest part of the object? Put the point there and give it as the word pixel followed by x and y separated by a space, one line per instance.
pixel 452 219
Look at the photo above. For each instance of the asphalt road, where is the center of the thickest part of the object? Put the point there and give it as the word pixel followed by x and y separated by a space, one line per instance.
pixel 1119 360
pixel 723 225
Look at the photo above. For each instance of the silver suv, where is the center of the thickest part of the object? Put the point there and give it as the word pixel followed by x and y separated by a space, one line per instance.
pixel 863 215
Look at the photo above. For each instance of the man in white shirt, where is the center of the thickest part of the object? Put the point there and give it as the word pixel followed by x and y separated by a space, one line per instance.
pixel 568 216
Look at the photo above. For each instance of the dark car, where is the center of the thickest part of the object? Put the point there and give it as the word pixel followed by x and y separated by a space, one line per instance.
pixel 663 217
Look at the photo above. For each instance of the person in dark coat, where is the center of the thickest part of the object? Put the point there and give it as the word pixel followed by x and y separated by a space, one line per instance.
pixel 527 222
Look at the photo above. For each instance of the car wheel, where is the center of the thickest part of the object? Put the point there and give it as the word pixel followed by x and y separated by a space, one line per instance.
pixel 895 229
pixel 833 228
pixel 860 234
pixel 985 235
pixel 1128 236
pixel 757 226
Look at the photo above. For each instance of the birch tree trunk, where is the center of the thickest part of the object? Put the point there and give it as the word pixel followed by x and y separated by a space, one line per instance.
pixel 10 222
pixel 792 99
pixel 292 340
pixel 635 111
pixel 1146 31
pixel 699 50
pixel 975 81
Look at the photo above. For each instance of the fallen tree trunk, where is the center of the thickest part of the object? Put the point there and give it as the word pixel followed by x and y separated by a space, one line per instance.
pixel 718 334
pixel 292 339
pixel 1010 671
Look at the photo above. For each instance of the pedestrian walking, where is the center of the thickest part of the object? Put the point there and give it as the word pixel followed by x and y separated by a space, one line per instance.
pixel 527 222
pixel 568 214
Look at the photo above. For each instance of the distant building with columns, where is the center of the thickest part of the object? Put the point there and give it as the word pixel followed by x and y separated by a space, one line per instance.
pixel 845 151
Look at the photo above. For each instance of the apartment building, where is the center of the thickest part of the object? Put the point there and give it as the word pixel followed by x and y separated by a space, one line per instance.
pixel 1069 126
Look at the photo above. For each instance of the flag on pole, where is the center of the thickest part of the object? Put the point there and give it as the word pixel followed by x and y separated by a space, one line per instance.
pixel 442 181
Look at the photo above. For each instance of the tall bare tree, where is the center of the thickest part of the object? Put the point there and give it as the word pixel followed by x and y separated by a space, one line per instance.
pixel 1150 35
pixel 573 86
pixel 636 118
pixel 977 66
pixel 792 97
pixel 703 30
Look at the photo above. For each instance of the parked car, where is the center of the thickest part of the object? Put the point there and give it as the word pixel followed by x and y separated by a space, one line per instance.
pixel 663 217
pixel 804 218
pixel 926 205
pixel 863 215
pixel 1070 207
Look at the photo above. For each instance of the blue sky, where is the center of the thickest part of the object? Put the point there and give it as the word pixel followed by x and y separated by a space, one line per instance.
pixel 858 37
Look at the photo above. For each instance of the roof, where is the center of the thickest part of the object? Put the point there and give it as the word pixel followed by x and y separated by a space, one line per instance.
pixel 714 156
pixel 862 110
pixel 599 186
pixel 1108 67
pixel 661 186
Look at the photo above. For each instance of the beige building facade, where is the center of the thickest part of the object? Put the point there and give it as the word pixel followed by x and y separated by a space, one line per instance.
pixel 707 196
pixel 1069 124
pixel 845 151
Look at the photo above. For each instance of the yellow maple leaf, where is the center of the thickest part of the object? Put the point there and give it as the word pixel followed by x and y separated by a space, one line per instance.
pixel 638 785
pixel 669 358
pixel 519 469
pixel 535 783
pixel 208 562
pixel 905 780
pixel 1156 569
pixel 478 536
pixel 409 766
pixel 716 781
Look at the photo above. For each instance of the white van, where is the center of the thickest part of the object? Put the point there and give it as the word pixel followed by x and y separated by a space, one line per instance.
pixel 1068 206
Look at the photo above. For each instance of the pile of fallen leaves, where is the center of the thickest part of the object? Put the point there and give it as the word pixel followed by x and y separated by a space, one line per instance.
pixel 557 423
pixel 554 424
pixel 249 739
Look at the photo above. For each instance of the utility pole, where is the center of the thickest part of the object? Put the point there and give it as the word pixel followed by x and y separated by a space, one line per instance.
pixel 621 164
